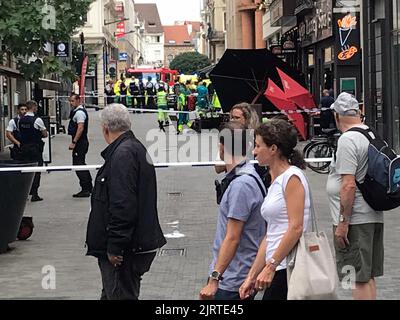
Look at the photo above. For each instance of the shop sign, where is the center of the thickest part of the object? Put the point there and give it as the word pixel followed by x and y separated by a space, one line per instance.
pixel 347 39
pixel 61 49
pixel 288 45
pixel 317 26
pixel 347 4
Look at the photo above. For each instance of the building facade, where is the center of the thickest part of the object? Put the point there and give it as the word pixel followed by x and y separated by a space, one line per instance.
pixel 214 19
pixel 381 54
pixel 100 44
pixel 180 38
pixel 244 24
pixel 129 36
pixel 153 34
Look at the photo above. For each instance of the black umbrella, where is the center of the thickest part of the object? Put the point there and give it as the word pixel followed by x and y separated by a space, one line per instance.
pixel 242 75
pixel 205 72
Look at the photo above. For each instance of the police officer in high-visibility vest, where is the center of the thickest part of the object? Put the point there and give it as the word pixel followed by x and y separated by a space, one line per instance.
pixel 32 130
pixel 162 105
pixel 78 130
pixel 13 134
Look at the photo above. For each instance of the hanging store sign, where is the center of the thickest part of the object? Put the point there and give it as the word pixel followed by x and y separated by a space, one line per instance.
pixel 61 49
pixel 318 25
pixel 347 31
pixel 289 45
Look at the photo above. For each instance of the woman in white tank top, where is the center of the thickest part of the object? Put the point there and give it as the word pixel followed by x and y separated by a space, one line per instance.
pixel 286 209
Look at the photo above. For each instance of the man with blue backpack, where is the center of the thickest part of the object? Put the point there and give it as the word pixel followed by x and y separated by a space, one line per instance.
pixel 357 218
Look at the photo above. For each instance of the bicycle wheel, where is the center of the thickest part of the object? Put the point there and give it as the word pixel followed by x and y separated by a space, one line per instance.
pixel 319 150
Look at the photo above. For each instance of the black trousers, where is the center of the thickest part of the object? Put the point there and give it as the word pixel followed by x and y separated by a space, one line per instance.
pixel 79 159
pixel 151 104
pixel 278 289
pixel 123 282
pixel 33 153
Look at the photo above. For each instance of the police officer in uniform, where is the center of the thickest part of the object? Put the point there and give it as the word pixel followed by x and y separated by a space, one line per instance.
pixel 32 130
pixel 151 92
pixel 13 132
pixel 78 129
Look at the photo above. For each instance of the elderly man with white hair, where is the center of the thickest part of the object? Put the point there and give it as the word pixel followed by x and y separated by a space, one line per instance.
pixel 123 231
pixel 358 229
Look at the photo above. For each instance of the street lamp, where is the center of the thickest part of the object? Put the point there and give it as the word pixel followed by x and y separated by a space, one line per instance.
pixel 111 22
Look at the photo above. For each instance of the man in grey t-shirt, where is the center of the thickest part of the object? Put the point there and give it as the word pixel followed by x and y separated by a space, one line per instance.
pixel 358 228
pixel 240 226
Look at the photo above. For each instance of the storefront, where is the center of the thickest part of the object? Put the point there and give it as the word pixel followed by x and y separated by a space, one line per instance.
pixel 315 28
pixel 13 90
pixel 382 67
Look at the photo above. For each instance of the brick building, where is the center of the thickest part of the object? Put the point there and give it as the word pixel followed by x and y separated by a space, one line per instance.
pixel 180 38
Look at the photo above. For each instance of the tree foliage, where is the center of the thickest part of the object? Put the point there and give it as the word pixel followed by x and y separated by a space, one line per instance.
pixel 190 62
pixel 26 26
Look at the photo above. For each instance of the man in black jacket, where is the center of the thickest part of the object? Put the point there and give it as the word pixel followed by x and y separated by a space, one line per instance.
pixel 123 231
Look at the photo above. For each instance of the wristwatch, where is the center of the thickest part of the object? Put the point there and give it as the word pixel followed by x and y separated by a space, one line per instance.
pixel 216 275
pixel 343 218
pixel 273 262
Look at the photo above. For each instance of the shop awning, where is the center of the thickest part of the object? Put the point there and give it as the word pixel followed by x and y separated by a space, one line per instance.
pixel 47 84
pixel 10 72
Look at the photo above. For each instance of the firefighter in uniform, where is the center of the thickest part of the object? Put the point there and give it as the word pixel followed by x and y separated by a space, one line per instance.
pixel 13 134
pixel 78 130
pixel 32 130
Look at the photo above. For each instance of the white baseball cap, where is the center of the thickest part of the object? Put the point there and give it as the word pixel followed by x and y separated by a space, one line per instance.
pixel 345 103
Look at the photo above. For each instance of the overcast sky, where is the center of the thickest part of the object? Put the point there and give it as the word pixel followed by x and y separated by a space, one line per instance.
pixel 176 10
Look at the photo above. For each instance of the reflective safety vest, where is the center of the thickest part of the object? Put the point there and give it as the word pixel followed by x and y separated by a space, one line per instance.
pixel 215 101
pixel 181 101
pixel 161 98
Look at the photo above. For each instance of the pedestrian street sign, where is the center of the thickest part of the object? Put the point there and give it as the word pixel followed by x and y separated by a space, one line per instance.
pixel 123 56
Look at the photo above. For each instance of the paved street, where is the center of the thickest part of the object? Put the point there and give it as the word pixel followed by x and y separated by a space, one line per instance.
pixel 186 206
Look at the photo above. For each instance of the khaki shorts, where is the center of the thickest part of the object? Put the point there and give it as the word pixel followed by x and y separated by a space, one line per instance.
pixel 365 252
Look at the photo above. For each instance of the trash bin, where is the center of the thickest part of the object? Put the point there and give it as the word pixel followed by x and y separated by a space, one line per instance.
pixel 14 190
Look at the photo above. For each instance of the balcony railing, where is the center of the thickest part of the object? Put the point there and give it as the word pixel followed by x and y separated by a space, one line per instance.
pixel 216 36
pixel 302 5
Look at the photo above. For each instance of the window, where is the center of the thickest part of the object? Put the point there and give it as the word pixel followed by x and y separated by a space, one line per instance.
pixel 84 18
pixel 224 21
pixel 157 54
pixel 187 42
pixel 171 41
pixel 328 55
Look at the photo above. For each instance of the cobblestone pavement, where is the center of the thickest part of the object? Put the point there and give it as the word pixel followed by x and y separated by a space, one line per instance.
pixel 186 206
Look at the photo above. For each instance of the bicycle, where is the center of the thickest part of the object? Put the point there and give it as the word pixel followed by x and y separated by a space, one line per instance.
pixel 322 146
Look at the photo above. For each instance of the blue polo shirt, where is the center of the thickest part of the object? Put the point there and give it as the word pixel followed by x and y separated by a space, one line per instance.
pixel 241 201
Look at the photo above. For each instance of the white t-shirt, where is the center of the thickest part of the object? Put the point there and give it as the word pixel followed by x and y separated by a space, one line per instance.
pixel 274 211
pixel 11 126
pixel 79 117
pixel 39 124
pixel 352 159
